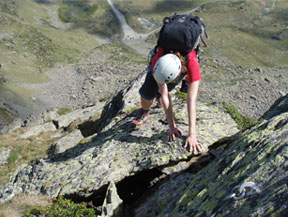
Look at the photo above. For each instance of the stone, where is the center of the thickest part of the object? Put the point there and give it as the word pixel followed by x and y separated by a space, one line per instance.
pixel 119 149
pixel 65 143
pixel 4 155
pixel 80 115
pixel 16 124
pixel 259 155
pixel 112 205
pixel 35 131
pixel 279 106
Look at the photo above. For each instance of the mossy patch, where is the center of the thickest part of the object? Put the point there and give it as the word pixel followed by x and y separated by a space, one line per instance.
pixel 64 110
pixel 243 122
pixel 181 95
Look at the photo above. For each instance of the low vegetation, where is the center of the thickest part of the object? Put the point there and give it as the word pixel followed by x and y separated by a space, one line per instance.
pixel 181 95
pixel 22 204
pixel 64 208
pixel 22 150
pixel 94 17
pixel 32 206
pixel 64 110
pixel 243 122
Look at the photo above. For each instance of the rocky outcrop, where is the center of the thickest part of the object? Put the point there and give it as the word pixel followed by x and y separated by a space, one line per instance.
pixel 118 151
pixel 118 156
pixel 35 131
pixel 79 115
pixel 280 106
pixel 118 159
pixel 112 203
pixel 260 156
pixel 65 143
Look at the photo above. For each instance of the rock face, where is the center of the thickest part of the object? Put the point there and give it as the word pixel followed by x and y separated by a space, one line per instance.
pixel 118 151
pixel 280 106
pixel 65 143
pixel 112 203
pixel 260 156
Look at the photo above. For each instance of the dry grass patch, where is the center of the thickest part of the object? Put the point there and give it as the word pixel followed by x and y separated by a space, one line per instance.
pixel 21 204
pixel 22 150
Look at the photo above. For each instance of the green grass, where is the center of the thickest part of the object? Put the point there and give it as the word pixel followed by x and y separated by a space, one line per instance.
pixel 242 35
pixel 8 6
pixel 22 150
pixel 153 11
pixel 181 95
pixel 124 54
pixel 64 208
pixel 94 16
pixel 13 156
pixel 64 110
pixel 6 115
pixel 243 122
pixel 77 11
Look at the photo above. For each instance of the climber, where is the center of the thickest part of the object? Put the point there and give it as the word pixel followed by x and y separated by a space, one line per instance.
pixel 169 68
pixel 173 60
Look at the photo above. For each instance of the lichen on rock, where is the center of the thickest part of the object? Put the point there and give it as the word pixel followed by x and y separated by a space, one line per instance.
pixel 259 155
pixel 117 151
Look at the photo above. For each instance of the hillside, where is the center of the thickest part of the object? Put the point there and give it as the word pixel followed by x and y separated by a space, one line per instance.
pixel 247 48
pixel 69 76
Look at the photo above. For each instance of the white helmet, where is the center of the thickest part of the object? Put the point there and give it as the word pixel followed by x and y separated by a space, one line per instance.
pixel 167 68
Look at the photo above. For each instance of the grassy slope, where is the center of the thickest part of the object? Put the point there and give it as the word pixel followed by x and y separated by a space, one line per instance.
pixel 238 30
pixel 36 45
pixel 154 11
pixel 34 48
pixel 239 33
pixel 31 44
pixel 243 34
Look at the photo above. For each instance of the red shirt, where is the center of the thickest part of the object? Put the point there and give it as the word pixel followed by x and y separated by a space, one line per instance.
pixel 193 69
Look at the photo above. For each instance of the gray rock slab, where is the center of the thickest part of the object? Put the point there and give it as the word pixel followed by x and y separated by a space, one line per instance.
pixel 116 153
pixel 112 205
pixel 119 150
pixel 78 115
pixel 260 155
pixel 35 131
pixel 65 143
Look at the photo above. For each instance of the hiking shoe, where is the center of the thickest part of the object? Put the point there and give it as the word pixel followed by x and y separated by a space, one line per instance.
pixel 141 117
pixel 159 102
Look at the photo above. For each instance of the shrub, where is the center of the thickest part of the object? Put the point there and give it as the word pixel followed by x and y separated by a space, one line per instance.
pixel 64 208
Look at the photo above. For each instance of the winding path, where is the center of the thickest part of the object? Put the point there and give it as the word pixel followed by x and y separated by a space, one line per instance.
pixel 129 33
pixel 133 39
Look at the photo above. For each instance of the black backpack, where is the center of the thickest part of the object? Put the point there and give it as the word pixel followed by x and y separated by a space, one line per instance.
pixel 182 33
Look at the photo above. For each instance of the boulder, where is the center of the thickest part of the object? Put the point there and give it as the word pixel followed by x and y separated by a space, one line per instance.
pixel 79 115
pixel 280 106
pixel 35 131
pixel 16 124
pixel 259 156
pixel 4 156
pixel 112 205
pixel 119 150
pixel 65 143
